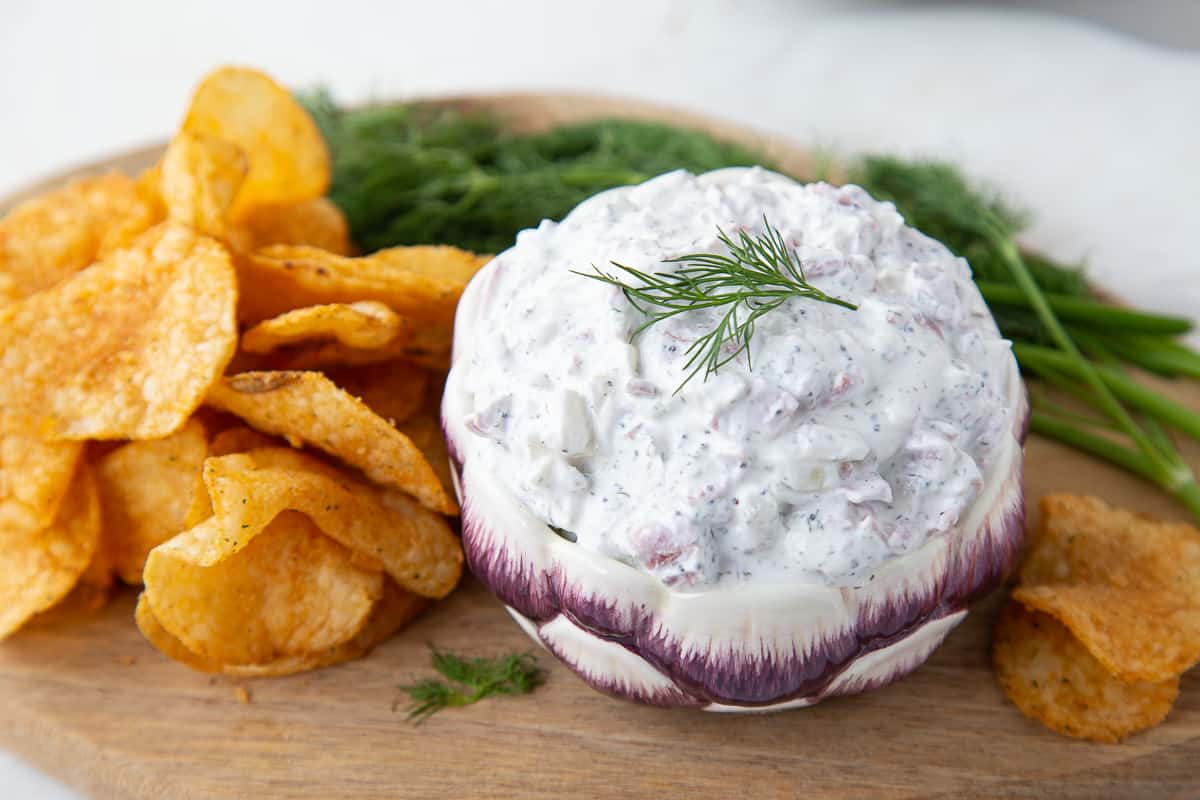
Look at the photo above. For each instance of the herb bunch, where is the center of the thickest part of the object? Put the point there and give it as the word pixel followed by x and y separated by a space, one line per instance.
pixel 759 275
pixel 412 174
pixel 469 680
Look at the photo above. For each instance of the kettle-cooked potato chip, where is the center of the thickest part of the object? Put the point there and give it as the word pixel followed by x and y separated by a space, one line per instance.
pixel 424 429
pixel 48 239
pixel 1128 587
pixel 1052 678
pixel 364 325
pixel 200 176
pixel 149 492
pixel 39 567
pixel 281 590
pixel 127 348
pixel 394 390
pixel 415 545
pixel 315 223
pixel 307 408
pixel 34 476
pixel 240 439
pixel 427 346
pixel 287 155
pixel 406 279
pixel 395 609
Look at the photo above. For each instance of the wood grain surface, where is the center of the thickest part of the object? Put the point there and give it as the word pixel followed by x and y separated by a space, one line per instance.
pixel 88 700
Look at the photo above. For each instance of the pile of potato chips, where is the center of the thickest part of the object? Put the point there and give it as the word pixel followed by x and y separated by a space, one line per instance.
pixel 206 394
pixel 1104 620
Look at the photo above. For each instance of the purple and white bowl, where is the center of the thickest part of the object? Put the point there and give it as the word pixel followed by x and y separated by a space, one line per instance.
pixel 745 647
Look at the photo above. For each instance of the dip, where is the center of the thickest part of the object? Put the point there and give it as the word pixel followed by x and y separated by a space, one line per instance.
pixel 849 437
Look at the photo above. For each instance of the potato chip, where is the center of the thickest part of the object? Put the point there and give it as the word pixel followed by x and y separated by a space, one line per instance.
pixel 315 223
pixel 365 324
pixel 428 346
pixel 149 492
pixel 307 408
pixel 393 611
pixel 287 155
pixel 163 641
pixel 1126 586
pixel 39 567
pixel 125 349
pixel 435 261
pixel 200 176
pixel 415 545
pixel 1052 678
pixel 240 439
pixel 394 390
pixel 95 584
pixel 281 277
pixel 34 476
pixel 396 609
pixel 48 239
pixel 260 595
pixel 425 431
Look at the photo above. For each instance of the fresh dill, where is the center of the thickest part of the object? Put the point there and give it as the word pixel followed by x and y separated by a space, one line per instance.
pixel 759 274
pixel 469 680
pixel 423 174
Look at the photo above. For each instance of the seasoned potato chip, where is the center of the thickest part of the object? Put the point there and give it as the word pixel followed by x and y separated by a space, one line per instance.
pixel 425 431
pixel 1126 586
pixel 200 177
pixel 427 346
pixel 125 349
pixel 438 262
pixel 315 223
pixel 39 567
pixel 393 611
pixel 1052 678
pixel 48 239
pixel 240 439
pixel 365 325
pixel 149 492
pixel 415 545
pixel 307 408
pixel 95 584
pixel 287 155
pixel 164 642
pixel 394 390
pixel 396 609
pixel 34 476
pixel 260 595
pixel 280 278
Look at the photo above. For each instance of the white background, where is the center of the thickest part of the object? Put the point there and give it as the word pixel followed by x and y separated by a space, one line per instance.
pixel 1098 134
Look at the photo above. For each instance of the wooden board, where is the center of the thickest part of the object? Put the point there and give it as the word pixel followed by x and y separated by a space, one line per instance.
pixel 88 700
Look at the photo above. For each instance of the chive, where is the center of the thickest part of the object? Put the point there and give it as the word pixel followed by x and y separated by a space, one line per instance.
pixel 1090 312
pixel 1119 455
pixel 1044 361
pixel 1155 354
pixel 1101 446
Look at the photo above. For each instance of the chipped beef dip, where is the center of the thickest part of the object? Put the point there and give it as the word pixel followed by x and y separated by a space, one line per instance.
pixel 857 435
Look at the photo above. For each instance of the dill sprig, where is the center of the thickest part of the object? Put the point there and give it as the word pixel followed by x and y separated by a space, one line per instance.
pixel 471 680
pixel 759 274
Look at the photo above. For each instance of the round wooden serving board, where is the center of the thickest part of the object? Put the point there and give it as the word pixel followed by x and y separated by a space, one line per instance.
pixel 87 699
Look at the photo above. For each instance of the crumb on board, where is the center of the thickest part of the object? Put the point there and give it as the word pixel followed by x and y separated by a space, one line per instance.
pixel 128 661
pixel 242 694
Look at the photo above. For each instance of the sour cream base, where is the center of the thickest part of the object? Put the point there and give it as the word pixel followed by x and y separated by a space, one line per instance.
pixel 847 439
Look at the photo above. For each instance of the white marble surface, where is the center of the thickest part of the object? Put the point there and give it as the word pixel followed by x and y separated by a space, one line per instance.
pixel 1094 132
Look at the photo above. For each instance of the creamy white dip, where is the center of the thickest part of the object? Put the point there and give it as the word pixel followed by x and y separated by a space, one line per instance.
pixel 856 436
